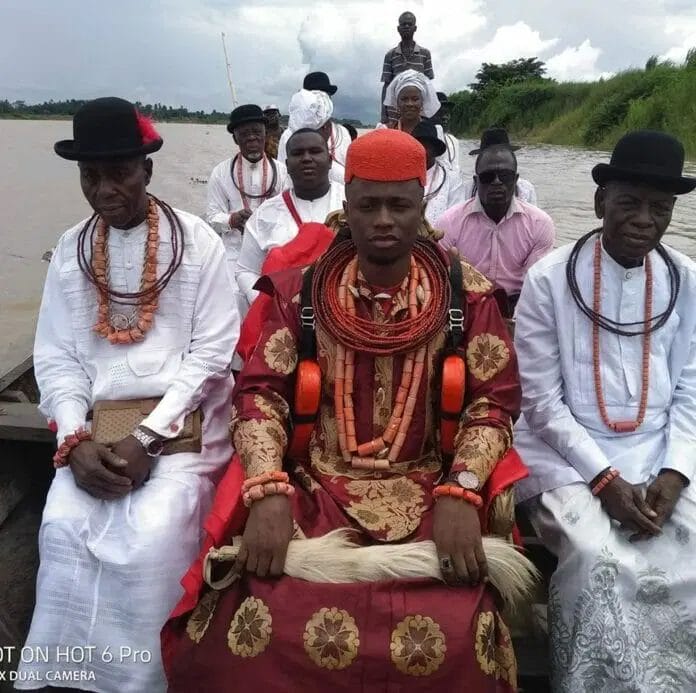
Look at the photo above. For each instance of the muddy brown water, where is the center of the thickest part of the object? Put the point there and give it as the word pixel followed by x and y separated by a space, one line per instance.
pixel 40 198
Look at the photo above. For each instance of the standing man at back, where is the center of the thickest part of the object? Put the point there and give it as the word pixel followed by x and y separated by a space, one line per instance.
pixel 407 55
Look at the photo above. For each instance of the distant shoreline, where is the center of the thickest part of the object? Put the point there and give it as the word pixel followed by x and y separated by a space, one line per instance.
pixel 188 121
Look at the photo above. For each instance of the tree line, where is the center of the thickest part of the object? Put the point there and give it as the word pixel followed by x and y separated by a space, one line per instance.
pixel 519 96
pixel 68 107
pixel 158 112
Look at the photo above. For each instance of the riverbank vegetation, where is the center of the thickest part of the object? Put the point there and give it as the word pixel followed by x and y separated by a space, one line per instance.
pixel 517 95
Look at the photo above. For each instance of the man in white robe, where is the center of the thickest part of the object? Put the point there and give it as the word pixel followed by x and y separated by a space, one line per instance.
pixel 444 188
pixel 239 184
pixel 609 432
pixel 312 107
pixel 312 197
pixel 121 525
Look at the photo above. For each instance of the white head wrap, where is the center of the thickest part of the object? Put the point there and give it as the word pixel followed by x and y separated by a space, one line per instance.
pixel 412 78
pixel 309 109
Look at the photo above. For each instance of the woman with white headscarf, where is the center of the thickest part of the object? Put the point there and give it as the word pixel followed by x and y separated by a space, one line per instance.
pixel 413 95
pixel 313 109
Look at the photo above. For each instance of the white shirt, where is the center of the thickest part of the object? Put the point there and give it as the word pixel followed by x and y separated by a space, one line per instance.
pixel 224 198
pixel 184 358
pixel 525 191
pixel 338 144
pixel 443 189
pixel 272 225
pixel 451 157
pixel 561 436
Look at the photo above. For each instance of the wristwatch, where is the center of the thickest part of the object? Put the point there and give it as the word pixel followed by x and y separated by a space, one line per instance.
pixel 152 444
pixel 465 479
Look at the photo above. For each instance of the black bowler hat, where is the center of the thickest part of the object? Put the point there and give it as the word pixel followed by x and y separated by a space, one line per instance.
pixel 319 81
pixel 444 101
pixel 650 157
pixel 494 137
pixel 108 128
pixel 249 113
pixel 426 133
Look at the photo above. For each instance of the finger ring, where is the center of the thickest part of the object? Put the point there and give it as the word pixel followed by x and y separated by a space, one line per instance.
pixel 446 564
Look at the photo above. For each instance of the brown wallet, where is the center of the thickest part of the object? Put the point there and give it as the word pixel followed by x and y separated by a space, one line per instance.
pixel 113 420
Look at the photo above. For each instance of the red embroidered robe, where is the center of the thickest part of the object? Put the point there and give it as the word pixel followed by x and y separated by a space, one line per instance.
pixel 274 634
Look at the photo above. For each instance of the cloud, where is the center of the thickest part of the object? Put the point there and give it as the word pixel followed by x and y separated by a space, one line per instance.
pixel 170 50
pixel 577 64
pixel 683 31
pixel 509 42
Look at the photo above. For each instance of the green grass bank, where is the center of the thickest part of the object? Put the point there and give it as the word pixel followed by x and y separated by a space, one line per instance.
pixel 661 97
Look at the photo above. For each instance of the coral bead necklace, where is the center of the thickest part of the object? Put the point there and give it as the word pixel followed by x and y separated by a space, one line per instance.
pixel 621 426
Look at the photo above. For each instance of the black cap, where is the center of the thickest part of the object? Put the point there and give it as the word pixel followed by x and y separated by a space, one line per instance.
pixel 109 128
pixel 319 81
pixel 249 113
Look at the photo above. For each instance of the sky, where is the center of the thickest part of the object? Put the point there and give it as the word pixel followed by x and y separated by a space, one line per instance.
pixel 170 51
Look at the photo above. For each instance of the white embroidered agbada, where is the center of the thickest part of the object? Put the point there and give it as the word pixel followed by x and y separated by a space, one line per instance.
pixel 110 570
pixel 443 189
pixel 622 615
pixel 272 225
pixel 224 197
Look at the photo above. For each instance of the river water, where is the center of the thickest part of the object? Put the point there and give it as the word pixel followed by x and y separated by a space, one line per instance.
pixel 40 197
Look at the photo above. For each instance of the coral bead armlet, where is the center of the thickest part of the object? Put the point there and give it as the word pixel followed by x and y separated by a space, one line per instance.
pixel 458 492
pixel 60 459
pixel 604 480
pixel 267 484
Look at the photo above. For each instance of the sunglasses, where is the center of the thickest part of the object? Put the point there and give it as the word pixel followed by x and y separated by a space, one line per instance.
pixel 505 177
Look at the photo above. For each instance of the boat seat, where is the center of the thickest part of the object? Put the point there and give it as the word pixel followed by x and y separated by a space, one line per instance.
pixel 22 421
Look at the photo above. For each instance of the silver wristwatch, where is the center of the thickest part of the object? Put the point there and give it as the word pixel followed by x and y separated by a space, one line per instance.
pixel 465 479
pixel 153 445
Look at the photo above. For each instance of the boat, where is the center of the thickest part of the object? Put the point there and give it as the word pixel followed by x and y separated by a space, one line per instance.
pixel 26 448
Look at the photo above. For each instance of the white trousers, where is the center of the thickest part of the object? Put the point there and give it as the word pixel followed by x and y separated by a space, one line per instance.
pixel 108 579
pixel 622 616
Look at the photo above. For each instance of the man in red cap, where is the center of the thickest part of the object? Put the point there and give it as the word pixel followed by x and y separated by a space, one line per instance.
pixel 363 332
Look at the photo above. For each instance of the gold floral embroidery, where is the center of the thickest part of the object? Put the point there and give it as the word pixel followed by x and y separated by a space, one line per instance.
pixel 485 643
pixel 478 449
pixel 382 407
pixel 234 414
pixel 473 280
pixel 494 651
pixel 277 408
pixel 280 352
pixel 392 506
pixel 326 350
pixel 505 654
pixel 501 516
pixel 486 356
pixel 331 638
pixel 418 646
pixel 260 444
pixel 250 630
pixel 202 615
pixel 477 409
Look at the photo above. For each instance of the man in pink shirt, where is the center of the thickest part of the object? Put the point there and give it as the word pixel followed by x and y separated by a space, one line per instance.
pixel 495 231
